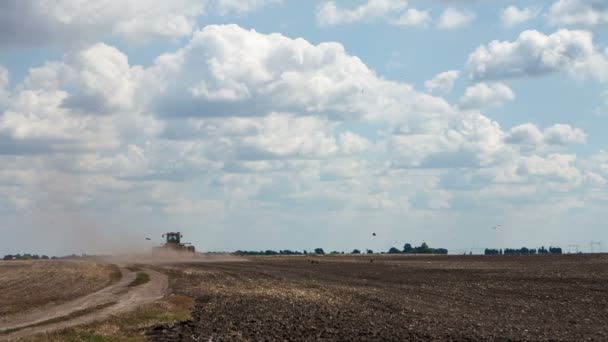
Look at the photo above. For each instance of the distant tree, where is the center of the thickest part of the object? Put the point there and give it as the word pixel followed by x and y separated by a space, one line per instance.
pixel 8 257
pixel 355 251
pixel 423 248
pixel 319 251
pixel 305 252
pixel 270 252
pixel 555 250
pixel 334 252
pixel 407 248
pixel 369 251
pixel 394 250
pixel 489 251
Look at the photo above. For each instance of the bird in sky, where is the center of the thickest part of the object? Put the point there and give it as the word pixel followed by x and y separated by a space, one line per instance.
pixel 374 234
pixel 148 239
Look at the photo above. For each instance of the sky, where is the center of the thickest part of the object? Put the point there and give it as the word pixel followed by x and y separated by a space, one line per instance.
pixel 269 124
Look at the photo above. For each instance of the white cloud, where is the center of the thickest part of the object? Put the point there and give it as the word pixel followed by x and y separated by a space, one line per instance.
pixel 329 14
pixel 395 12
pixel 453 18
pixel 532 54
pixel 352 143
pixel 244 123
pixel 414 18
pixel 242 6
pixel 513 16
pixel 578 13
pixel 442 82
pixel 39 22
pixel 90 100
pixel 562 134
pixel 529 136
pixel 483 95
pixel 554 167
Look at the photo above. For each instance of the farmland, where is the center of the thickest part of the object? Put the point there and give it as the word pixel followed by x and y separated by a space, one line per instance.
pixel 424 298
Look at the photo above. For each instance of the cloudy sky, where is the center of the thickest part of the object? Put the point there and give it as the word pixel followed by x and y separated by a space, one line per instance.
pixel 269 124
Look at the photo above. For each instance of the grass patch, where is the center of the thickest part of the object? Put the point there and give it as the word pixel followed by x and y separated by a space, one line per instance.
pixel 72 315
pixel 129 327
pixel 140 279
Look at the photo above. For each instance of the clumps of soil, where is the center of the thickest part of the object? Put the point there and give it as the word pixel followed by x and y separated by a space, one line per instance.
pixel 535 298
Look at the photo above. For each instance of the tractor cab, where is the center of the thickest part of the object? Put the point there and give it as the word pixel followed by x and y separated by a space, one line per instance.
pixel 173 238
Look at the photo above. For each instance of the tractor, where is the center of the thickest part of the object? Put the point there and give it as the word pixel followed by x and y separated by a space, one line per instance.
pixel 173 243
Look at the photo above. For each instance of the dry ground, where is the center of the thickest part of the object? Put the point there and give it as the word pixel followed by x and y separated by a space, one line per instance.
pixel 28 285
pixel 399 298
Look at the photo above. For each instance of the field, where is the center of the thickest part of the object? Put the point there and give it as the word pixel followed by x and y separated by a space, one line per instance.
pixel 417 298
pixel 28 285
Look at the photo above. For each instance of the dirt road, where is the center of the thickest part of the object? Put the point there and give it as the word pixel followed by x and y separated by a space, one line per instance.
pixel 114 299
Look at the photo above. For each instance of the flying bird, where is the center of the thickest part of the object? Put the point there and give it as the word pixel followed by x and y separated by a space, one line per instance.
pixel 374 234
pixel 148 239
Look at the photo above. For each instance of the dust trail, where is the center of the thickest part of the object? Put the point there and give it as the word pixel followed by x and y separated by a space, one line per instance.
pixel 168 257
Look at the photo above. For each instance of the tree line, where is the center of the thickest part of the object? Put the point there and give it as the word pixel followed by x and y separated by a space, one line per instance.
pixel 27 256
pixel 407 249
pixel 522 251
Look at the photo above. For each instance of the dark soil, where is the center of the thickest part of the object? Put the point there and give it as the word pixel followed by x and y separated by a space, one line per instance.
pixel 394 298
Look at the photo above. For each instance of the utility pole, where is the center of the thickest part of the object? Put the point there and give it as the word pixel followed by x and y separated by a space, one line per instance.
pixel 572 248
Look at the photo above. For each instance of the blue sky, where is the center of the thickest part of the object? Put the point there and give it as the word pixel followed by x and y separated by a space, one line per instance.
pixel 268 124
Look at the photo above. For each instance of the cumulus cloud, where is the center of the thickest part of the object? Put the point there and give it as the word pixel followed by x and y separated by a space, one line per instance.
pixel 453 18
pixel 483 95
pixel 561 134
pixel 242 6
pixel 352 143
pixel 532 54
pixel 414 18
pixel 529 136
pixel 513 16
pixel 395 12
pixel 526 134
pixel 39 22
pixel 554 167
pixel 578 13
pixel 239 120
pixel 87 101
pixel 442 82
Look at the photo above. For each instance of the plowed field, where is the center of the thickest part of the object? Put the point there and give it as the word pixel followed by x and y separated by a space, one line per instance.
pixel 472 298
